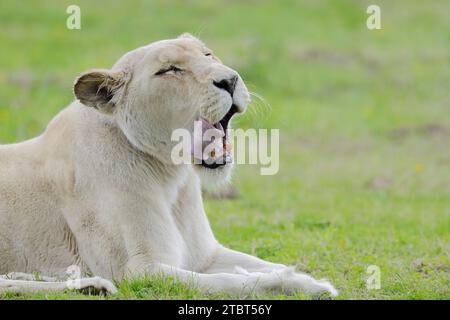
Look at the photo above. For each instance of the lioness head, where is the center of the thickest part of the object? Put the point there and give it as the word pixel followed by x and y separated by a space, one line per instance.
pixel 166 85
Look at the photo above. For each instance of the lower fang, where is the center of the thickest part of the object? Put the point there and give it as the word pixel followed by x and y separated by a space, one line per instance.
pixel 228 147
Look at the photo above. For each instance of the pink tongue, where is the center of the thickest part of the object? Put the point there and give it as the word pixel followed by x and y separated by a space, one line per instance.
pixel 198 145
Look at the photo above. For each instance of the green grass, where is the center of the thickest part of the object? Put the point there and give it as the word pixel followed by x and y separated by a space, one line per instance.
pixel 364 119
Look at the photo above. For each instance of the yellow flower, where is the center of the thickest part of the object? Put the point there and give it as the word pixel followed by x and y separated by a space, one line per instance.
pixel 418 168
pixel 4 115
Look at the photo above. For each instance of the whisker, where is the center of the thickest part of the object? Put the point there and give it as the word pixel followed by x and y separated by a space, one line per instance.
pixel 262 100
pixel 199 30
pixel 260 108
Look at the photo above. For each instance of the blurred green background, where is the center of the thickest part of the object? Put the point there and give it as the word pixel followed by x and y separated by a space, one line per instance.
pixel 364 119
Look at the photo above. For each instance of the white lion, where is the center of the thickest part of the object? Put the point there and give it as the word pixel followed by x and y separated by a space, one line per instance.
pixel 98 188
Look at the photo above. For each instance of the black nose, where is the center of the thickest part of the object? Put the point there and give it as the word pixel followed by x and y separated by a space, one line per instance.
pixel 227 84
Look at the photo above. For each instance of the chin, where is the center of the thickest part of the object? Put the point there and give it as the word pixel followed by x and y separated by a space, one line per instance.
pixel 213 179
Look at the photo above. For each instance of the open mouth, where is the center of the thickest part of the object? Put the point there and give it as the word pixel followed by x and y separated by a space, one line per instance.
pixel 213 149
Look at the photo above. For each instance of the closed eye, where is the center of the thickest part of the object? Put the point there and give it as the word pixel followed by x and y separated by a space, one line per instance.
pixel 173 69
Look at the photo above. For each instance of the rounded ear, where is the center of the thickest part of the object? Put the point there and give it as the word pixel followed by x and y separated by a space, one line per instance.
pixel 99 88
pixel 187 35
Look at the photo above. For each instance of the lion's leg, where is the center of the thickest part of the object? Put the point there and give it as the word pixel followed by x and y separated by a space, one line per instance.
pixel 236 284
pixel 26 277
pixel 26 283
pixel 238 281
pixel 24 286
pixel 230 261
pixel 226 260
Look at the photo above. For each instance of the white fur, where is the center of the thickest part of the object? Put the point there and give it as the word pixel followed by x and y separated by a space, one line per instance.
pixel 97 189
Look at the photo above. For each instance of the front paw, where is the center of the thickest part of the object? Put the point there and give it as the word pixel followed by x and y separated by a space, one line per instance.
pixel 292 282
pixel 95 285
pixel 288 281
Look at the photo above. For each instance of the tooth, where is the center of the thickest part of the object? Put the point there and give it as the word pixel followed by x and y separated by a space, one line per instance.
pixel 228 146
pixel 228 158
pixel 219 126
pixel 204 138
pixel 206 125
pixel 218 148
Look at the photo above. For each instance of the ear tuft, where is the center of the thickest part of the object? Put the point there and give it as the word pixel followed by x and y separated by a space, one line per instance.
pixel 98 87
